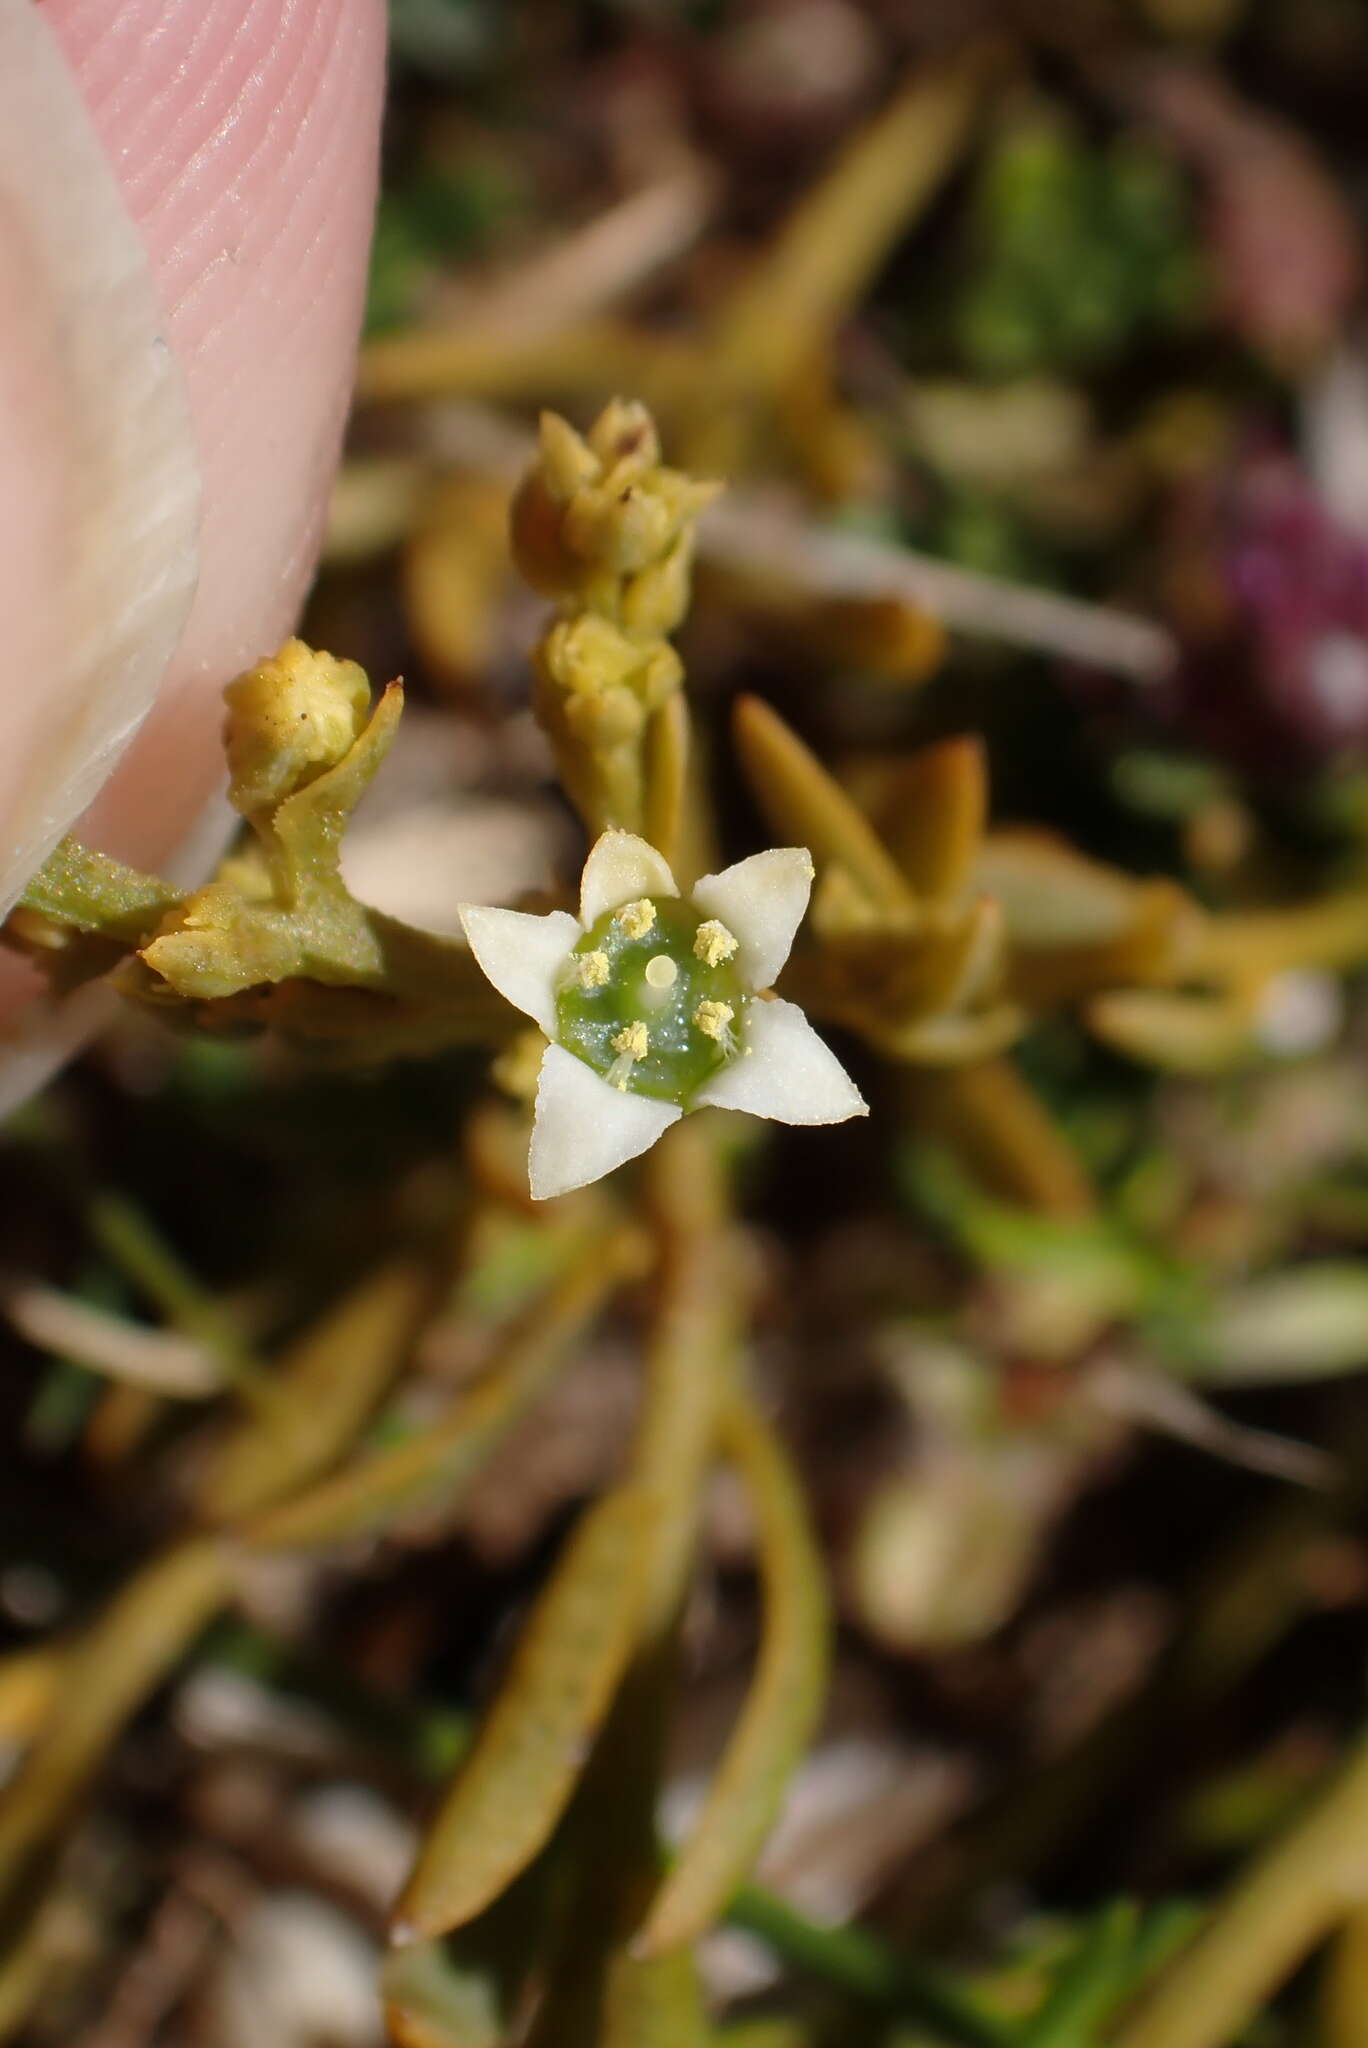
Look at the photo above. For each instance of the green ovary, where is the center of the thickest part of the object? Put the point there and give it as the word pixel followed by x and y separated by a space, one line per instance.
pixel 638 970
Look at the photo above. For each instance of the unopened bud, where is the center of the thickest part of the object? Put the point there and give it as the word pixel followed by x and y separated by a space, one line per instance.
pixel 290 719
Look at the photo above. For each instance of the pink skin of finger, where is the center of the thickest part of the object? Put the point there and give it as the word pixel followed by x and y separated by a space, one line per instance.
pixel 243 138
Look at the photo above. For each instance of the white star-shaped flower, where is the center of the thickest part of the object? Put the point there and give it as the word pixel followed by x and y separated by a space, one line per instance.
pixel 651 1001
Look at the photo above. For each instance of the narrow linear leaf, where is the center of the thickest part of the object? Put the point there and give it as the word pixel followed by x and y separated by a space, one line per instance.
pixel 599 1994
pixel 520 1775
pixel 994 1122
pixel 596 1990
pixel 864 1967
pixel 807 805
pixel 689 1362
pixel 128 1652
pixel 655 2002
pixel 445 1457
pixel 1343 2000
pixel 667 768
pixel 932 807
pixel 1091 1984
pixel 789 304
pixel 1309 1322
pixel 781 1709
pixel 330 1383
pixel 1178 1032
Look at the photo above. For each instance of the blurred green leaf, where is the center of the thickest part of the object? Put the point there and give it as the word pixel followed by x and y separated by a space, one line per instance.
pixel 142 1635
pixel 327 1387
pixel 1308 1322
pixel 439 1460
pixel 445 38
pixel 1090 1985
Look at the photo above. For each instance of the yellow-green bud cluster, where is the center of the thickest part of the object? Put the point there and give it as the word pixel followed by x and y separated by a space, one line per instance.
pixel 651 999
pixel 290 719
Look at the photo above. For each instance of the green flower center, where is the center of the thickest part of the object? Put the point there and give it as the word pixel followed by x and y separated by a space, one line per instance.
pixel 651 998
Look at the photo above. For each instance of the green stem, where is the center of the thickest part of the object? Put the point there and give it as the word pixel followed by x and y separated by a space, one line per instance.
pixel 140 1252
pixel 868 1969
pixel 1089 1986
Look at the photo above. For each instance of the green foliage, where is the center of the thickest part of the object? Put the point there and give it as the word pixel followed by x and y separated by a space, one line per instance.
pixel 1079 251
pixel 437 217
pixel 446 39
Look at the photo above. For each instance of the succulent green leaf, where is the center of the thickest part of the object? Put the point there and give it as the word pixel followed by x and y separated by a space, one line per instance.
pixel 518 1779
pixel 781 1709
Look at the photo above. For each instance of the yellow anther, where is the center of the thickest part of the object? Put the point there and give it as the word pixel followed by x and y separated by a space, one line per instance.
pixel 591 969
pixel 633 1042
pixel 713 943
pixel 714 1020
pixel 630 1044
pixel 634 920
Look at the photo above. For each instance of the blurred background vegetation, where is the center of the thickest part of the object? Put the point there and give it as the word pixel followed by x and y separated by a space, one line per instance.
pixel 1010 1581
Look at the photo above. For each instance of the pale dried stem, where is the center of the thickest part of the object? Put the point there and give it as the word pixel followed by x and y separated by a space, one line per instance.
pixel 598 264
pixel 747 534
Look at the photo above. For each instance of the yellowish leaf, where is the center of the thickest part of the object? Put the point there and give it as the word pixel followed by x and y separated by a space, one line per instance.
pixel 517 1781
pixel 781 1708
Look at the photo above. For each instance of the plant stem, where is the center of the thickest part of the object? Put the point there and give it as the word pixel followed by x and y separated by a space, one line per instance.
pixel 126 1237
pixel 868 1969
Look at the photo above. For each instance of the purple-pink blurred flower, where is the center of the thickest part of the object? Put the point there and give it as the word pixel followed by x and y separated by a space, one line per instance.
pixel 1274 589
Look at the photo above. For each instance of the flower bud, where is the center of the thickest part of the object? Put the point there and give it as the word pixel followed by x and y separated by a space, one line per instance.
pixel 290 719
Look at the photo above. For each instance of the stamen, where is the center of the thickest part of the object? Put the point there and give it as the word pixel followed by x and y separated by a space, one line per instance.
pixel 634 920
pixel 633 1041
pixel 713 943
pixel 714 1020
pixel 590 970
pixel 630 1044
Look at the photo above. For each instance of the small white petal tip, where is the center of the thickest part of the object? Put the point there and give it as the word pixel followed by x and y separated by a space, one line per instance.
pixel 761 902
pixel 523 955
pixel 621 868
pixel 584 1128
pixel 784 1072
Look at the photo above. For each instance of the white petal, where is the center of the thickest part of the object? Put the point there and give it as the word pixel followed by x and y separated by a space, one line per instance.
pixel 620 868
pixel 761 901
pixel 522 954
pixel 584 1128
pixel 784 1072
